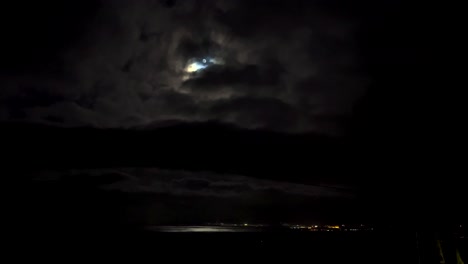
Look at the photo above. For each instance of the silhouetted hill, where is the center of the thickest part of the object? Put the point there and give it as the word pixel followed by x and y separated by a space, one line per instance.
pixel 186 146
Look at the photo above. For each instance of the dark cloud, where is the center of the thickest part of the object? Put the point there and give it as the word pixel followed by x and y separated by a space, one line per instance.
pixel 260 17
pixel 194 184
pixel 246 80
pixel 125 65
pixel 35 34
pixel 196 46
pixel 255 112
pixel 172 105
pixel 168 3
pixel 154 196
pixel 187 183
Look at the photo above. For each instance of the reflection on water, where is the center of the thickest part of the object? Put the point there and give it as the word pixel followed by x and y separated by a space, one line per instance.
pixel 209 229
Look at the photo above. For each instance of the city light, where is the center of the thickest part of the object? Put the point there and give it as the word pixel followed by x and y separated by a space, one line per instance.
pixel 249 227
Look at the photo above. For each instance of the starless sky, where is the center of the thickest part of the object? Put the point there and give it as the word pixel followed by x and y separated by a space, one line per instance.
pixel 290 66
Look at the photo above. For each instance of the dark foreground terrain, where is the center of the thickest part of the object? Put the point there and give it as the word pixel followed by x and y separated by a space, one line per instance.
pixel 282 246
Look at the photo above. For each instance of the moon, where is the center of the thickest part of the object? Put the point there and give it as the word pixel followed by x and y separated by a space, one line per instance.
pixel 194 67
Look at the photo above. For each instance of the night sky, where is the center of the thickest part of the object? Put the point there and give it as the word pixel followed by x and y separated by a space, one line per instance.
pixel 290 67
pixel 228 110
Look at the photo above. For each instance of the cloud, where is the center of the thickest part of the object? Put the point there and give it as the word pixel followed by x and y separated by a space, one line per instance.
pixel 151 180
pixel 155 196
pixel 192 183
pixel 252 112
pixel 247 80
pixel 126 67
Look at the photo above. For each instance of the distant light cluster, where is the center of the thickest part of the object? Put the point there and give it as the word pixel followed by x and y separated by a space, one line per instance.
pixel 328 228
pixel 318 228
